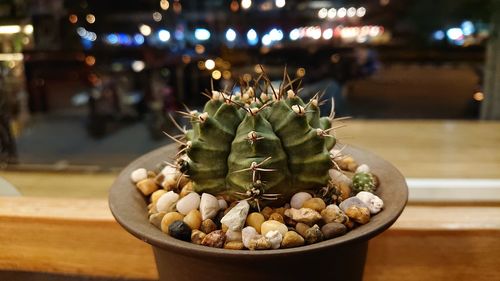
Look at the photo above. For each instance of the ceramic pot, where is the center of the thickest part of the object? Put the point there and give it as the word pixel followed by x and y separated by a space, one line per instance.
pixel 341 258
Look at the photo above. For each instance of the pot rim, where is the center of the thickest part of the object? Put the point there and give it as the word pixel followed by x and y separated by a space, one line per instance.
pixel 131 212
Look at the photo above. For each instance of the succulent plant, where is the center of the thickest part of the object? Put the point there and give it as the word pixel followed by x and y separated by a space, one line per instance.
pixel 261 144
pixel 364 182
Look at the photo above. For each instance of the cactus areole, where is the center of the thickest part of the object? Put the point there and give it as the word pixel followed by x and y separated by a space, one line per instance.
pixel 264 145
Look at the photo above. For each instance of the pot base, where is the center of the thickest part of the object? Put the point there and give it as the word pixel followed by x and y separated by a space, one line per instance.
pixel 341 263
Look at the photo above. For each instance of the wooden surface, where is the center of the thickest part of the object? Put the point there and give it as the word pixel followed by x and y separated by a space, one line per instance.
pixel 79 236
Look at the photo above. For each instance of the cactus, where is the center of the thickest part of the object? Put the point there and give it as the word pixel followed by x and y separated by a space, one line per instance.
pixel 364 182
pixel 263 144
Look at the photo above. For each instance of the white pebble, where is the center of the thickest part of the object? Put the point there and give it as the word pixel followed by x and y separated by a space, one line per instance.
pixel 166 202
pixel 222 204
pixel 209 206
pixel 339 177
pixel 233 235
pixel 271 225
pixel 363 168
pixel 235 218
pixel 374 203
pixel 188 203
pixel 170 175
pixel 248 233
pixel 275 238
pixel 139 175
pixel 298 199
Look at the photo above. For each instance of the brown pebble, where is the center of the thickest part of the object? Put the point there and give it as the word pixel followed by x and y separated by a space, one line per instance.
pixel 255 220
pixel 214 239
pixel 266 212
pixel 345 191
pixel 193 219
pixel 208 226
pixel 292 239
pixel 197 236
pixel 156 219
pixel 316 204
pixel 358 214
pixel 186 189
pixel 147 186
pixel 151 174
pixel 290 222
pixel 280 211
pixel 234 245
pixel 277 217
pixel 261 243
pixel 301 228
pixel 168 219
pixel 333 229
pixel 224 227
pixel 350 224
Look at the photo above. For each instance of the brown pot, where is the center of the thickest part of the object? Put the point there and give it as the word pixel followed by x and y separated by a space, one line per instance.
pixel 341 258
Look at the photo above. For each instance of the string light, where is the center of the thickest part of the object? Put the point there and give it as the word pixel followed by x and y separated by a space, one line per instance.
pixel 90 18
pixel 73 18
pixel 145 30
pixel 209 64
pixel 245 4
pixel 157 16
pixel 164 5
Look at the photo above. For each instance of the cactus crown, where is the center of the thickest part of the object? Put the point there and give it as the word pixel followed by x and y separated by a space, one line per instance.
pixel 261 144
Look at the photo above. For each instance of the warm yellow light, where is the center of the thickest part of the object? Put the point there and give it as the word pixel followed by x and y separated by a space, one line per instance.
pixel 245 4
pixel 257 69
pixel 28 29
pixel 216 74
pixel 247 77
pixel 145 30
pixel 90 60
pixel 90 18
pixel 209 64
pixel 73 18
pixel 226 74
pixel 11 57
pixel 177 7
pixel 301 72
pixel 201 65
pixel 479 96
pixel 234 6
pixel 164 5
pixel 199 49
pixel 10 29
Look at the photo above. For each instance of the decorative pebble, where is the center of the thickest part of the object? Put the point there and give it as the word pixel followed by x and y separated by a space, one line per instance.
pixel 313 235
pixel 277 217
pixel 333 229
pixel 351 201
pixel 274 237
pixel 147 186
pixel 152 209
pixel 197 236
pixel 209 206
pixel 273 225
pixel 233 236
pixel 372 201
pixel 266 212
pixel 222 204
pixel 301 228
pixel 166 202
pixel 215 239
pixel 169 174
pixel 363 168
pixel 188 203
pixel 298 199
pixel 235 218
pixel 255 220
pixel 358 214
pixel 234 245
pixel 305 215
pixel 180 230
pixel 139 175
pixel 292 239
pixel 339 177
pixel 193 219
pixel 151 174
pixel 218 217
pixel 261 243
pixel 156 219
pixel 208 226
pixel 347 163
pixel 332 213
pixel 186 189
pixel 316 204
pixel 156 195
pixel 248 233
pixel 280 211
pixel 169 218
pixel 345 190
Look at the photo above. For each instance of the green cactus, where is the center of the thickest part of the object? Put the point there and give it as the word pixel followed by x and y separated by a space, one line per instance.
pixel 364 182
pixel 260 144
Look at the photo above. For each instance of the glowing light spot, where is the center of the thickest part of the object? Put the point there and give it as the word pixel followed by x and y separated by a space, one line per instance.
pixel 145 30
pixel 245 4
pixel 201 34
pixel 73 18
pixel 209 64
pixel 164 35
pixel 138 65
pixel 164 5
pixel 90 60
pixel 157 16
pixel 322 13
pixel 199 49
pixel 301 72
pixel 361 12
pixel 280 3
pixel 341 12
pixel 230 35
pixel 90 18
pixel 216 74
pixel 478 96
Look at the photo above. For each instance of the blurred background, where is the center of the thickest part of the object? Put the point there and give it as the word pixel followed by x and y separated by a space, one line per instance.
pixel 91 83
